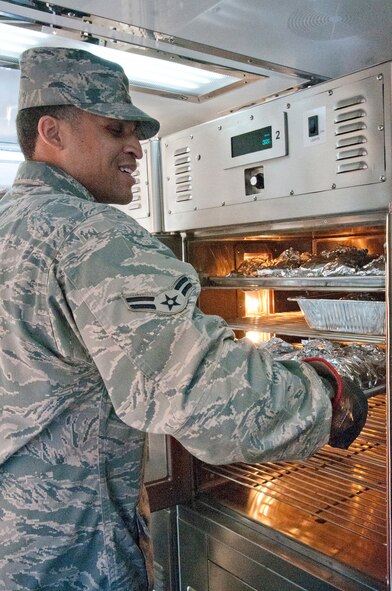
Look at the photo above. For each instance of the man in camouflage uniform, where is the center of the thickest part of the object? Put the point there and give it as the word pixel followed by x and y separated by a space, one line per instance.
pixel 102 342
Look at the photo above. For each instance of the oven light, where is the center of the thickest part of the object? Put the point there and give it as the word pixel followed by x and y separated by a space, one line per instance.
pixel 257 337
pixel 257 303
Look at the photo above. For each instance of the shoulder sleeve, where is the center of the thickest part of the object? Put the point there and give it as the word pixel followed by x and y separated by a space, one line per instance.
pixel 171 369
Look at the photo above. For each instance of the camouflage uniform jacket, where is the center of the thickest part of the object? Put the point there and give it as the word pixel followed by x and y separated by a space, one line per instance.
pixel 101 341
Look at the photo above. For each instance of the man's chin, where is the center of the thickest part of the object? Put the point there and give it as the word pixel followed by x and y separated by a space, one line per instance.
pixel 116 200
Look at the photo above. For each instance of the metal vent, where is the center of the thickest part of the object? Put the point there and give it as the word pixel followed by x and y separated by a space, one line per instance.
pixel 182 171
pixel 350 102
pixel 350 120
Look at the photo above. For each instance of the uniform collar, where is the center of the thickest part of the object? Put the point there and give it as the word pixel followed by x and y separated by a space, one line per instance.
pixel 39 177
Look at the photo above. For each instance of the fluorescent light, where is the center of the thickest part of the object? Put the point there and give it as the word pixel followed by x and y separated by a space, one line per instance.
pixel 142 70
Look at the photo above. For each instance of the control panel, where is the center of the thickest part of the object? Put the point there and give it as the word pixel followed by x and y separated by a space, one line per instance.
pixel 325 150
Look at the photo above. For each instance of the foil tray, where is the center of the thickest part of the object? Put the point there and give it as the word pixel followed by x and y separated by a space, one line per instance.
pixel 359 316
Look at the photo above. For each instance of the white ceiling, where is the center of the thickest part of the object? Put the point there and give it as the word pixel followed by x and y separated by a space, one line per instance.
pixel 327 38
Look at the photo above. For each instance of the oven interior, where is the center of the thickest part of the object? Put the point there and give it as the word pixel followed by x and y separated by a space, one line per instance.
pixel 335 502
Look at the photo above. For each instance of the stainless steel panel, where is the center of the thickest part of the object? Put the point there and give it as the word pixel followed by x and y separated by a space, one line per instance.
pixel 255 554
pixel 317 176
pixel 219 579
pixel 332 37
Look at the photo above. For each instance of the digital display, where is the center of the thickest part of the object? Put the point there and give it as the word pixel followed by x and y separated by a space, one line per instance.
pixel 252 141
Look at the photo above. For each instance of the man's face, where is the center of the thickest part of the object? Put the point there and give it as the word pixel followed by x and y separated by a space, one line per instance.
pixel 101 154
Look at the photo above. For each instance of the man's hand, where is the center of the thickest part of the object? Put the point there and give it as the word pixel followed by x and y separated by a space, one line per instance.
pixel 349 404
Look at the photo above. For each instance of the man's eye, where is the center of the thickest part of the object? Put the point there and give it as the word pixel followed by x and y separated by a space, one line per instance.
pixel 115 130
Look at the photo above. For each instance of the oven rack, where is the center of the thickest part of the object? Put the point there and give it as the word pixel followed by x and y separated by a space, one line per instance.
pixel 335 501
pixel 293 323
pixel 350 283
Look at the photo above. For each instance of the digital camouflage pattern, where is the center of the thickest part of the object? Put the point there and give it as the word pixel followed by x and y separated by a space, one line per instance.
pixel 67 76
pixel 84 374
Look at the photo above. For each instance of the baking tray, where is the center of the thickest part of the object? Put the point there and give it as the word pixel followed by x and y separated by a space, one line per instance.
pixel 358 316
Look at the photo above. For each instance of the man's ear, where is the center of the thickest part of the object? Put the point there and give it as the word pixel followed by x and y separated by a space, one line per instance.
pixel 50 131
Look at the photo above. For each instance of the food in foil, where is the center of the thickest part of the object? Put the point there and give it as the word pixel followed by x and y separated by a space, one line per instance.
pixel 341 261
pixel 249 267
pixel 375 267
pixel 365 364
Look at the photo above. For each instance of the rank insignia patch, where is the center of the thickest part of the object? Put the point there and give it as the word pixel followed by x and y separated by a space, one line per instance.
pixel 170 301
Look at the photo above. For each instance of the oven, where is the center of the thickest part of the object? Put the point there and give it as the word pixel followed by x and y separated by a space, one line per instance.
pixel 298 176
pixel 326 515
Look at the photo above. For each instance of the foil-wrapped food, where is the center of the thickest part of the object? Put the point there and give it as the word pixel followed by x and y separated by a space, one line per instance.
pixel 249 267
pixel 341 261
pixel 365 364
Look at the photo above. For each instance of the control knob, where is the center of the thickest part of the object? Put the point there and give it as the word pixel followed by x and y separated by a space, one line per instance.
pixel 257 180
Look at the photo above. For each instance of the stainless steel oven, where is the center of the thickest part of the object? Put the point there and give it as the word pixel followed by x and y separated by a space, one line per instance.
pixel 321 523
pixel 307 173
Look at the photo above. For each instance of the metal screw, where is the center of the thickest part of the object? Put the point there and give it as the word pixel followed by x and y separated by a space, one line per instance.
pixel 333 186
pixel 255 198
pixel 195 208
pixel 223 203
pixel 380 127
pixel 220 127
pixel 191 136
pixel 383 178
pixel 251 117
pixel 330 92
pixel 198 156
pixel 288 106
pixel 169 212
pixel 291 192
pixel 380 77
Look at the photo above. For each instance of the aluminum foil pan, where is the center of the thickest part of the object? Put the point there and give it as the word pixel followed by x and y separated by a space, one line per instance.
pixel 354 316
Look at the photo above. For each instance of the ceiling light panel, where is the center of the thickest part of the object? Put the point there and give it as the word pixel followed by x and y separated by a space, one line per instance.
pixel 143 71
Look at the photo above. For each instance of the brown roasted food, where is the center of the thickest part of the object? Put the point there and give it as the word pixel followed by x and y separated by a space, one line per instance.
pixel 250 266
pixel 375 267
pixel 343 260
pixel 289 259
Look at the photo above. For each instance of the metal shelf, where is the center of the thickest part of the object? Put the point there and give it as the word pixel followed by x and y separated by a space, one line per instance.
pixel 346 283
pixel 293 323
pixel 333 502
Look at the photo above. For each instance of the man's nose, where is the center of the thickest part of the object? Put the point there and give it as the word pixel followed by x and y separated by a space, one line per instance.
pixel 133 146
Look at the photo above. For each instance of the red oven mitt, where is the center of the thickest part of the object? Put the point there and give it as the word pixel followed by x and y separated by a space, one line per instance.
pixel 349 404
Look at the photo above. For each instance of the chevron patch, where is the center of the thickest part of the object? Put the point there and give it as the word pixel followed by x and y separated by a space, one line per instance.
pixel 170 301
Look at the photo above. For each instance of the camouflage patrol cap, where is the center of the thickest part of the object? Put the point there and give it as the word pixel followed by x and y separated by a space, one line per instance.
pixel 67 76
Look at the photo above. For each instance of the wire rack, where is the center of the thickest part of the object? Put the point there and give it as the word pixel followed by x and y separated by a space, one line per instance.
pixel 335 501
